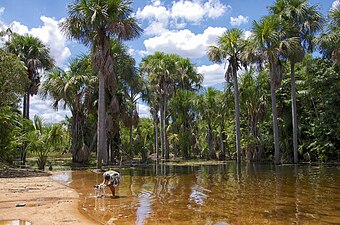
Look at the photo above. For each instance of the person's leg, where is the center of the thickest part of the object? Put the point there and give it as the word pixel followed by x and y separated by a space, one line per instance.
pixel 112 188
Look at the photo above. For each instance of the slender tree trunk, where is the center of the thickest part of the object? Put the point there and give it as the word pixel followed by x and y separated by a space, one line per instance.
pixel 26 116
pixel 294 113
pixel 212 153
pixel 237 115
pixel 222 139
pixel 162 130
pixel 74 138
pixel 101 130
pixel 166 141
pixel 274 111
pixel 156 138
pixel 131 153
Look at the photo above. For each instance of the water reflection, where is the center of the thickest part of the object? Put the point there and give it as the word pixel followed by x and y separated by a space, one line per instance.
pixel 222 194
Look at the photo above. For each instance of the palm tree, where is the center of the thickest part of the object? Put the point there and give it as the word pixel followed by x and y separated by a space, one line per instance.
pixel 329 40
pixel 268 40
pixel 300 20
pixel 230 46
pixel 94 23
pixel 36 57
pixel 74 89
pixel 253 92
pixel 128 87
pixel 208 107
pixel 158 68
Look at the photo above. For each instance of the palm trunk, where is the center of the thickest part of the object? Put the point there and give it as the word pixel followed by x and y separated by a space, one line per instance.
pixel 294 113
pixel 74 137
pixel 26 116
pixel 212 153
pixel 237 116
pixel 166 122
pixel 274 111
pixel 162 130
pixel 156 138
pixel 131 154
pixel 101 130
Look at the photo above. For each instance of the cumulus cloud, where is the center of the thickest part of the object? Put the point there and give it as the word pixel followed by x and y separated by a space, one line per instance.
pixel 179 14
pixel 247 34
pixel 143 110
pixel 213 74
pixel 184 42
pixel 237 21
pixel 157 15
pixel 43 108
pixel 49 34
pixel 196 11
pixel 334 4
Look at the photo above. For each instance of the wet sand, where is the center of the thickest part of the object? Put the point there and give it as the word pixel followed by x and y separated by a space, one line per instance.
pixel 45 201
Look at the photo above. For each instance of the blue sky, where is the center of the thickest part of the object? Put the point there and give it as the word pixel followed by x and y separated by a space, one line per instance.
pixel 184 27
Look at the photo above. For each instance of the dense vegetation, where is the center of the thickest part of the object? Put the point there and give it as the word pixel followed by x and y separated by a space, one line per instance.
pixel 280 102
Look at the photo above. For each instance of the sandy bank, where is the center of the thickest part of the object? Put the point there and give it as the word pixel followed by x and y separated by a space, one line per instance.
pixel 46 201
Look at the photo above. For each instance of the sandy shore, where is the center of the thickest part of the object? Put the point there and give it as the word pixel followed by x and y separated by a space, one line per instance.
pixel 46 201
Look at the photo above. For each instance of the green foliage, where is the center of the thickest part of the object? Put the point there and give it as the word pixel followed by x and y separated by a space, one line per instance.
pixel 10 133
pixel 44 138
pixel 13 79
pixel 321 129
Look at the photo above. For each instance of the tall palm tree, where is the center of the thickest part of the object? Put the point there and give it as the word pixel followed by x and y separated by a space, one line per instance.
pixel 36 57
pixel 94 23
pixel 329 40
pixel 229 49
pixel 208 106
pixel 300 20
pixel 269 40
pixel 159 71
pixel 74 89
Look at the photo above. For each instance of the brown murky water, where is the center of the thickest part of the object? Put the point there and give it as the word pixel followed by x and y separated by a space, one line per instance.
pixel 259 194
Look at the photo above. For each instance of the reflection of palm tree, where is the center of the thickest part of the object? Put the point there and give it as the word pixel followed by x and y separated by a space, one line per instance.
pixel 230 46
pixel 94 23
pixel 75 88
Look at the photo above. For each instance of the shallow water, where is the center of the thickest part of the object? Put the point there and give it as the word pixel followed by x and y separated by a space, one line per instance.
pixel 14 222
pixel 257 194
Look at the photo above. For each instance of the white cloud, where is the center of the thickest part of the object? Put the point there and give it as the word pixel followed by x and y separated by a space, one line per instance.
pixel 247 34
pixel 143 110
pixel 19 28
pixel 157 15
pixel 213 74
pixel 189 10
pixel 49 34
pixel 334 4
pixel 184 42
pixel 178 14
pixel 195 11
pixel 214 8
pixel 43 108
pixel 237 21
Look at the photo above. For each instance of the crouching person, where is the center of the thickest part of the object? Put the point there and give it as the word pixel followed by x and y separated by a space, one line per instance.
pixel 112 178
